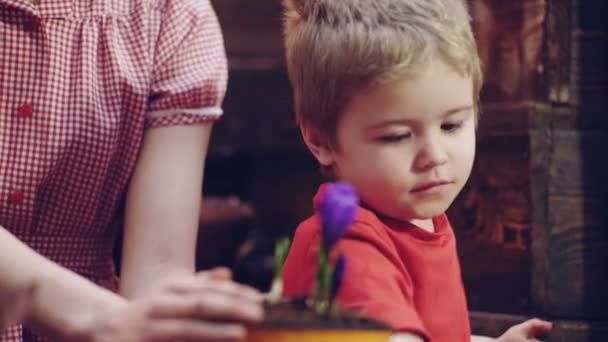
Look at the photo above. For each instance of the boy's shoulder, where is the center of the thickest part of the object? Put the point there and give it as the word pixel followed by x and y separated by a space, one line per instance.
pixel 366 225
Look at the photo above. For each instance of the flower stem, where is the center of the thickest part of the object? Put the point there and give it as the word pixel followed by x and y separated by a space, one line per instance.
pixel 323 287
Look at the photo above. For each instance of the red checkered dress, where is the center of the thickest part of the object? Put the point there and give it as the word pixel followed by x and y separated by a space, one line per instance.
pixel 80 81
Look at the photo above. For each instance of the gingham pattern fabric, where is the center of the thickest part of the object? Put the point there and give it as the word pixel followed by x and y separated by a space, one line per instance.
pixel 80 81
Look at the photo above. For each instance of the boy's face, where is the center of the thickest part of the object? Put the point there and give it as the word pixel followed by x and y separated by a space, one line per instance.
pixel 408 146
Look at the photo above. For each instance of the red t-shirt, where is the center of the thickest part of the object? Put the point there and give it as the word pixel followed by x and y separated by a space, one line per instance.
pixel 400 274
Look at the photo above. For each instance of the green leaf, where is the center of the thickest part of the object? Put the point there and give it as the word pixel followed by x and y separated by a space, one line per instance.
pixel 280 255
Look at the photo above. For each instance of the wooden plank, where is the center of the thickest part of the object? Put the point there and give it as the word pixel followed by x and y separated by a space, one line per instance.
pixel 258 114
pixel 517 182
pixel 283 195
pixel 575 62
pixel 570 235
pixel 491 219
pixel 589 76
pixel 512 118
pixel 510 39
pixel 558 52
pixel 495 324
pixel 579 331
pixel 578 167
pixel 569 230
pixel 540 153
pixel 252 33
pixel 578 256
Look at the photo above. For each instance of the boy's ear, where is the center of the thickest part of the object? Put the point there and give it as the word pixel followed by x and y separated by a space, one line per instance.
pixel 317 147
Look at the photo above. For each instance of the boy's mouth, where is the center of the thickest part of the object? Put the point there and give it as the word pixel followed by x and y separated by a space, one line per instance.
pixel 429 186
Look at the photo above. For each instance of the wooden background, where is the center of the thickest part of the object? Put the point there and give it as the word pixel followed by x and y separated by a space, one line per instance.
pixel 532 223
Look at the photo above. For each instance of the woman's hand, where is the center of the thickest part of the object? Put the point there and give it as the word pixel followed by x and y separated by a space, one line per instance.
pixel 207 306
pixel 14 305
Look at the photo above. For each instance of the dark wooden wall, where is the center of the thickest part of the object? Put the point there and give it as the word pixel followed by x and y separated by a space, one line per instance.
pixel 532 223
pixel 536 203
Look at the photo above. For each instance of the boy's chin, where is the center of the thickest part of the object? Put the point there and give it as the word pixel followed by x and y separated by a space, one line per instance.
pixel 418 214
pixel 427 212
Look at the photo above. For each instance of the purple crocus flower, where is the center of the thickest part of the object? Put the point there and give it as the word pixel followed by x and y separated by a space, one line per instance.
pixel 337 206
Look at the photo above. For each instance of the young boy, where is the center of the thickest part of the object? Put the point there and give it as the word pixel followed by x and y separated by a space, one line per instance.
pixel 386 95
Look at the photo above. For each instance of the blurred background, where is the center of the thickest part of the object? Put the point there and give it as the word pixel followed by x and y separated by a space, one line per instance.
pixel 531 224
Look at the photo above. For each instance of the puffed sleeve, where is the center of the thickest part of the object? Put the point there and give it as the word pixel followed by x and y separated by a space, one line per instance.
pixel 190 68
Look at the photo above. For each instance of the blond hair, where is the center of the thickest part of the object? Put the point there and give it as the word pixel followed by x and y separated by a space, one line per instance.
pixel 335 48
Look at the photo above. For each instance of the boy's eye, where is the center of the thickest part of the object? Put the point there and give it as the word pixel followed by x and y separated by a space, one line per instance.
pixel 392 138
pixel 451 126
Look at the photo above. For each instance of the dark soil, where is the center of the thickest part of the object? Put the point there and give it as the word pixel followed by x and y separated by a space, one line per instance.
pixel 299 314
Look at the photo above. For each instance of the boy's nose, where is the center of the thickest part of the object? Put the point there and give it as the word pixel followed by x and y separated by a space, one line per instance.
pixel 430 156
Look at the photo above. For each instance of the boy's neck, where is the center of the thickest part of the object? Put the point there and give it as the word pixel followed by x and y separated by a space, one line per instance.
pixel 427 224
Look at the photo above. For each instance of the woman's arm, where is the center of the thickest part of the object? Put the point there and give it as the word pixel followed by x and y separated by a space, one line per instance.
pixel 67 307
pixel 61 300
pixel 163 205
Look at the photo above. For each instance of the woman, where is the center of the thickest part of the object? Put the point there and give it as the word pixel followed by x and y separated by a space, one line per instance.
pixel 98 98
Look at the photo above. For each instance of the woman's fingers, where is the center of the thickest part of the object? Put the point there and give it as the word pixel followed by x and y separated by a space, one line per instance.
pixel 210 306
pixel 217 273
pixel 194 330
pixel 204 283
pixel 207 306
